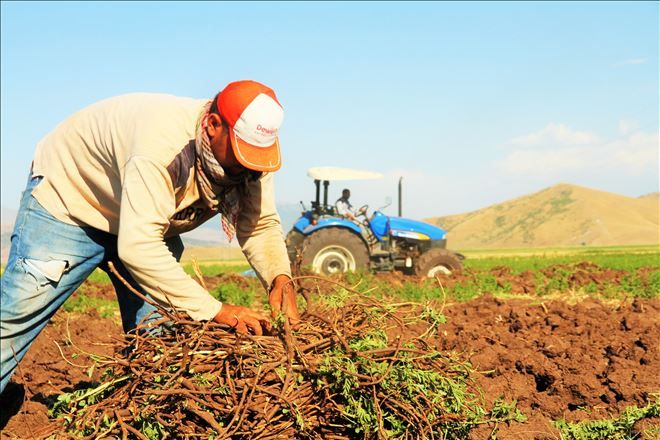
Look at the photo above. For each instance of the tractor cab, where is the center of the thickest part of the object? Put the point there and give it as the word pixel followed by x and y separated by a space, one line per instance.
pixel 323 176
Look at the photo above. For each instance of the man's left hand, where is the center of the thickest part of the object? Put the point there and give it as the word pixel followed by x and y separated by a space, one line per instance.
pixel 282 298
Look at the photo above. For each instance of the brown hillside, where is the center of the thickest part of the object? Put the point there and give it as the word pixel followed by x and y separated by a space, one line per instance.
pixel 561 215
pixel 652 196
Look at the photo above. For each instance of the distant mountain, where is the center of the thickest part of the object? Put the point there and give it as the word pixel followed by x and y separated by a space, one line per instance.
pixel 652 196
pixel 209 234
pixel 289 213
pixel 560 215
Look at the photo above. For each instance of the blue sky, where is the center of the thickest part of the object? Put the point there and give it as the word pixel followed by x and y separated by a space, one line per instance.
pixel 472 103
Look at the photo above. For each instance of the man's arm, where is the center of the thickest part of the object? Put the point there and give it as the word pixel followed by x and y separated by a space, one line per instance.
pixel 260 235
pixel 259 232
pixel 147 202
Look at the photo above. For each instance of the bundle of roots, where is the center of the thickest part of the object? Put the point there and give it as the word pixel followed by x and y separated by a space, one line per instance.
pixel 354 367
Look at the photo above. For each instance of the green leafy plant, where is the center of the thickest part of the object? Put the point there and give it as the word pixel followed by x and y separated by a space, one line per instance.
pixel 404 380
pixel 81 303
pixel 232 293
pixel 619 428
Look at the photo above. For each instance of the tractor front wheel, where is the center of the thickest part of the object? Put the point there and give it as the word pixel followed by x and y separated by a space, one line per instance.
pixel 334 250
pixel 437 261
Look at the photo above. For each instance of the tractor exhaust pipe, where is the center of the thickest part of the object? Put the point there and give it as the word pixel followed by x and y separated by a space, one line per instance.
pixel 325 193
pixel 318 193
pixel 400 195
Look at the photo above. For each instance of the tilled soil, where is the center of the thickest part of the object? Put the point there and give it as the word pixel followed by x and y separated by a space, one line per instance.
pixel 44 373
pixel 579 362
pixel 576 362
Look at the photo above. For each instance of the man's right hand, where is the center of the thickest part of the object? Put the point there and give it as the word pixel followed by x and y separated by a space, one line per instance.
pixel 244 320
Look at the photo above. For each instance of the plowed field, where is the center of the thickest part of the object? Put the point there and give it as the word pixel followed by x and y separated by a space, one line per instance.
pixel 561 358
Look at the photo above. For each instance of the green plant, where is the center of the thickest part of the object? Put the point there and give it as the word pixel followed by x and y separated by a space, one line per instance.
pixel 620 258
pixel 653 285
pixel 232 293
pixel 415 292
pixel 99 277
pixel 405 381
pixel 336 299
pixel 152 429
pixel 211 270
pixel 67 402
pixel 619 428
pixel 465 291
pixel 81 303
pixel 432 316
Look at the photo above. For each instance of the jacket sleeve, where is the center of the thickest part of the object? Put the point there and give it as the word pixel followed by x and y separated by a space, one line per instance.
pixel 259 232
pixel 147 203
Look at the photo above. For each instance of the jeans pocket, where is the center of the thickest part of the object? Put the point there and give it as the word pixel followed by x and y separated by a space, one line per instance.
pixel 34 282
pixel 52 269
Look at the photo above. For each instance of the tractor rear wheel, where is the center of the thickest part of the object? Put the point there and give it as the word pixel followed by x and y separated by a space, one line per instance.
pixel 437 261
pixel 293 242
pixel 334 250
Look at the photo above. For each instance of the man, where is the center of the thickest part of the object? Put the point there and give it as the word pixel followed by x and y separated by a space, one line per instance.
pixel 119 181
pixel 345 208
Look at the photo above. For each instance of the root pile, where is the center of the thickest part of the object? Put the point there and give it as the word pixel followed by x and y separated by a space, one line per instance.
pixel 355 367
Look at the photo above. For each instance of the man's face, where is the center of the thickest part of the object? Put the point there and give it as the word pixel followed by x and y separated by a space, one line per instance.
pixel 346 194
pixel 218 132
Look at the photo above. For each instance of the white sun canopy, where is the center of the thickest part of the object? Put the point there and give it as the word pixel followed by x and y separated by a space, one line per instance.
pixel 335 173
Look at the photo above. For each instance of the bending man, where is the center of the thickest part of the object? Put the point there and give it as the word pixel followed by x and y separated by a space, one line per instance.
pixel 119 181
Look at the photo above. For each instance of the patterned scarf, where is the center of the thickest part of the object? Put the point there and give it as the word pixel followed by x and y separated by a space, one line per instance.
pixel 220 191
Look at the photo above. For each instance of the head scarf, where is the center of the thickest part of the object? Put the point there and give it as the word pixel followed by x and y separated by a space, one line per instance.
pixel 220 191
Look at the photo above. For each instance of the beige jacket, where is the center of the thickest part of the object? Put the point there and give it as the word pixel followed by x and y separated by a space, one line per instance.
pixel 125 165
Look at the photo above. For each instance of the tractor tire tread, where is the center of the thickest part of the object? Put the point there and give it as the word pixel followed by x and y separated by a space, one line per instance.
pixel 328 236
pixel 437 257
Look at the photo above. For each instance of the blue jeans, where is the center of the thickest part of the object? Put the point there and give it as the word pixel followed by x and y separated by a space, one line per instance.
pixel 48 261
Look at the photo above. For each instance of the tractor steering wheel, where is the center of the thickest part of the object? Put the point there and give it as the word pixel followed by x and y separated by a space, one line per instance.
pixel 362 210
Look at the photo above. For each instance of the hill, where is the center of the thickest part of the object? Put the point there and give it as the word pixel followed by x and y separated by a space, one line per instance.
pixel 562 215
pixel 651 196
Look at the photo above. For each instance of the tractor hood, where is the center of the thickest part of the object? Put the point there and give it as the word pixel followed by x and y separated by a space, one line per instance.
pixel 403 227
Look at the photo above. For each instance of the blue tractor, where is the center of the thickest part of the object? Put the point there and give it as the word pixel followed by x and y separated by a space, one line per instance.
pixel 330 243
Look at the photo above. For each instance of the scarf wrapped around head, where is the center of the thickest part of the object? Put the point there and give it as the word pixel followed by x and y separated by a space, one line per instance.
pixel 220 191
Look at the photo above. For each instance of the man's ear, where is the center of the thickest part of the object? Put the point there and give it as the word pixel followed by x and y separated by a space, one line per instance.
pixel 213 125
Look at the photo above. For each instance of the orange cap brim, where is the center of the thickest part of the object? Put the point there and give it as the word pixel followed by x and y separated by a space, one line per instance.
pixel 266 159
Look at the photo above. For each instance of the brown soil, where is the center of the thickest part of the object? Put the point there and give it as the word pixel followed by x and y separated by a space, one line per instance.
pixel 44 373
pixel 579 362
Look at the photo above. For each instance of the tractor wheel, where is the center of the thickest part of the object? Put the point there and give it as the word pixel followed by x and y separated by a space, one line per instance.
pixel 293 242
pixel 334 250
pixel 437 261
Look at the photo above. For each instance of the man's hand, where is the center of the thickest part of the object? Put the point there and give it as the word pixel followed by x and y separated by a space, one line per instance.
pixel 242 319
pixel 282 298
